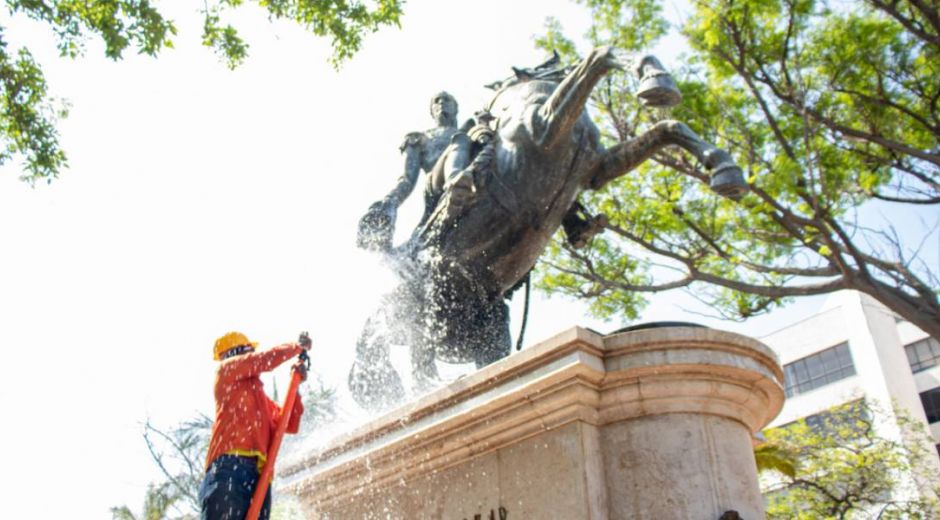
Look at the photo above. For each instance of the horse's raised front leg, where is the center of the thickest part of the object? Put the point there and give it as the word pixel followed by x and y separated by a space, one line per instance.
pixel 726 177
pixel 558 114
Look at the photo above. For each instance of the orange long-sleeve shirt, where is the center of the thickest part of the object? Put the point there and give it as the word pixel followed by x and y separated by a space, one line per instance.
pixel 245 418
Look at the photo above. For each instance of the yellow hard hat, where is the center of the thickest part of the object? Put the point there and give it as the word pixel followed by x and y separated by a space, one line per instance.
pixel 230 341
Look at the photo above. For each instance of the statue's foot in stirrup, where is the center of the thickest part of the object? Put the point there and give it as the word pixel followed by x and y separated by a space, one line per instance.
pixel 580 229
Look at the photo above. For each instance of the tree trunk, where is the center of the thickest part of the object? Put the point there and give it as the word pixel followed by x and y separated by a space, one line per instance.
pixel 923 313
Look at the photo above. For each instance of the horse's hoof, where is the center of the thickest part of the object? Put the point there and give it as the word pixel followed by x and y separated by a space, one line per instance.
pixel 728 181
pixel 658 90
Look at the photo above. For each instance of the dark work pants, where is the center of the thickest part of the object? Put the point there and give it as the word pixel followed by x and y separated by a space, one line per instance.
pixel 226 491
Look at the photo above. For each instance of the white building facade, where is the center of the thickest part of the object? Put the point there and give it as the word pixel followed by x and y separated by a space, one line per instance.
pixel 856 348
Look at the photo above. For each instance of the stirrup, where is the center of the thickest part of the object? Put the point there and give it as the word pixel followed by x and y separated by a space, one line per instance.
pixel 728 181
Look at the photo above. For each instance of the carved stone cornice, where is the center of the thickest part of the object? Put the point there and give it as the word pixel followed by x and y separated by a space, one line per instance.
pixel 576 376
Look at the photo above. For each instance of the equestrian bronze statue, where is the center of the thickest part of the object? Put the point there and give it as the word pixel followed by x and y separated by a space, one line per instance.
pixel 496 191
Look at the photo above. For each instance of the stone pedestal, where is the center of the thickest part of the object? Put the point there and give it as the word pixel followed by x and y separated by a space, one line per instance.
pixel 648 424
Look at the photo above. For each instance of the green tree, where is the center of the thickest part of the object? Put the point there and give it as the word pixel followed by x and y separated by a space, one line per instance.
pixel 157 504
pixel 846 465
pixel 180 454
pixel 832 110
pixel 771 457
pixel 28 117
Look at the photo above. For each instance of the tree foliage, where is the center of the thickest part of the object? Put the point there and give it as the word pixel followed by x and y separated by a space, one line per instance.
pixel 850 465
pixel 157 505
pixel 771 457
pixel 27 115
pixel 832 110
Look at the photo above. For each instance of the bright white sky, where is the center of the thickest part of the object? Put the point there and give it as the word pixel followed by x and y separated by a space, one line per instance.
pixel 201 200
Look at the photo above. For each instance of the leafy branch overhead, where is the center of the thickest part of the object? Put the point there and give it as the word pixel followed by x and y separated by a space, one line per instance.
pixel 27 115
pixel 833 111
pixel 345 23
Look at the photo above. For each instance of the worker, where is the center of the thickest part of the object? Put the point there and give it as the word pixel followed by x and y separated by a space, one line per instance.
pixel 245 422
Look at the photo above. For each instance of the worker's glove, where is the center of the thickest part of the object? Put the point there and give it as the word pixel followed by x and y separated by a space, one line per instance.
pixel 305 342
pixel 301 368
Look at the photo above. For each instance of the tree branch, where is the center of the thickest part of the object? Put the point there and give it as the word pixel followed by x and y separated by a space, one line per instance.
pixel 885 100
pixel 909 23
pixel 158 458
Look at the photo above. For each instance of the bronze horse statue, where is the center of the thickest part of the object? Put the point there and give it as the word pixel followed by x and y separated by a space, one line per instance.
pixel 503 187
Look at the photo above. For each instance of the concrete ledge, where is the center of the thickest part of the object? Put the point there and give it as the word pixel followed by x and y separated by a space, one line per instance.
pixel 577 389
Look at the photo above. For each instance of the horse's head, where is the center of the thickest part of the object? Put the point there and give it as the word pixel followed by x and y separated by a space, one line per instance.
pixel 526 87
pixel 550 70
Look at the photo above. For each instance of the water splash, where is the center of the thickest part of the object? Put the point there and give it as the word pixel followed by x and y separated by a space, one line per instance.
pixel 378 286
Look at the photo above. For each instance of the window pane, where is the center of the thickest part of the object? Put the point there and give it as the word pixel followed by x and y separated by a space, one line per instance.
pixel 819 369
pixel 814 366
pixel 931 401
pixel 845 360
pixel 800 368
pixel 843 355
pixel 789 379
pixel 922 349
pixel 934 347
pixel 841 416
pixel 830 359
pixel 923 354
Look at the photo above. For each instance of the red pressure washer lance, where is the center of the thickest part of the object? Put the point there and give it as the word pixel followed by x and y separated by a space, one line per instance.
pixel 265 480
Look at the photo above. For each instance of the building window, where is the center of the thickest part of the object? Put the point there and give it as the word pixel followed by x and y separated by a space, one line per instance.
pixel 923 354
pixel 822 368
pixel 931 401
pixel 854 415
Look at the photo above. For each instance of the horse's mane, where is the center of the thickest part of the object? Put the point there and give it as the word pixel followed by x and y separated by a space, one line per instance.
pixel 549 70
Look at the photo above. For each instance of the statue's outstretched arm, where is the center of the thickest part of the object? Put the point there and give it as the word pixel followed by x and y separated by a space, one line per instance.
pixel 413 148
pixel 377 226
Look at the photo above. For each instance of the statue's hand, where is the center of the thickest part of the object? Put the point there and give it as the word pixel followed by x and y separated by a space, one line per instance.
pixel 377 226
pixel 461 187
pixel 481 133
pixel 459 191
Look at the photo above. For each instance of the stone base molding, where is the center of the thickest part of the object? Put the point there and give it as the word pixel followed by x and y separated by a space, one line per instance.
pixel 654 423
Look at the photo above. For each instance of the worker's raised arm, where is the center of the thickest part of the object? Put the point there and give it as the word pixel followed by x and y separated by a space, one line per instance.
pixel 254 363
